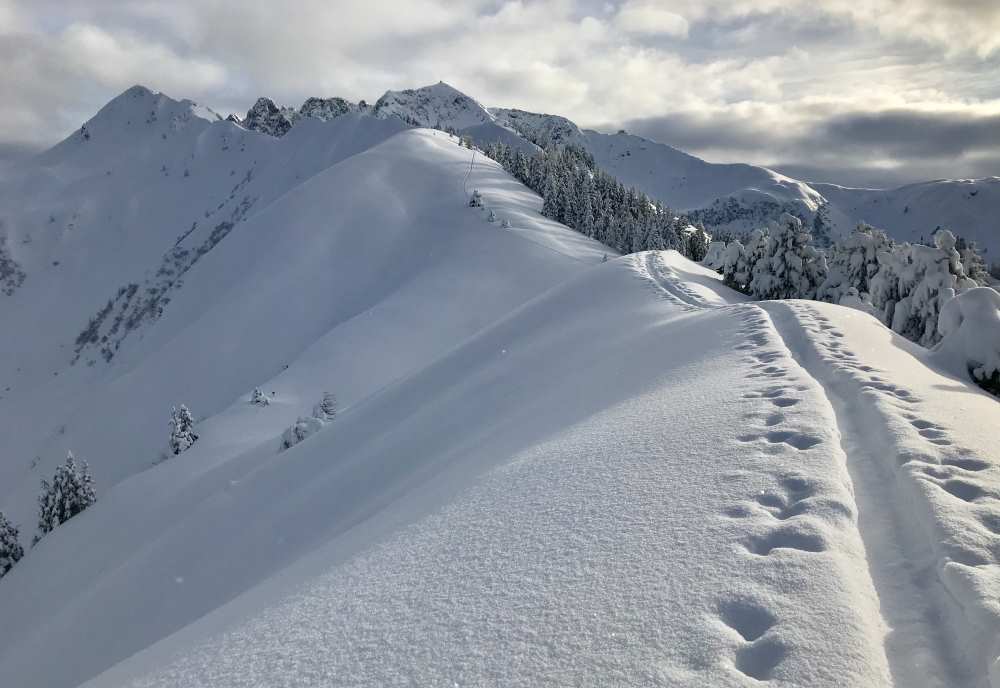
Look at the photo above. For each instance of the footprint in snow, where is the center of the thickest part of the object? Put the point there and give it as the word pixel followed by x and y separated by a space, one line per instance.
pixel 966 491
pixel 798 440
pixel 749 619
pixel 966 463
pixel 759 659
pixel 759 654
pixel 788 536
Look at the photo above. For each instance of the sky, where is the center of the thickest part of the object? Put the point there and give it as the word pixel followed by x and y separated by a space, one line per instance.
pixel 858 92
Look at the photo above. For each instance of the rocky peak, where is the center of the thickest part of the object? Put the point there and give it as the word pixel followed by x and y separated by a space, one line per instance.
pixel 268 118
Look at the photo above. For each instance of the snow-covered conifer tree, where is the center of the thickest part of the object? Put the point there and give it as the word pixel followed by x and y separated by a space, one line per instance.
pixel 258 398
pixel 182 434
pixel 327 408
pixel 301 429
pixel 11 550
pixel 734 268
pixel 789 266
pixel 698 243
pixel 70 492
pixel 914 282
pixel 972 261
pixel 713 255
pixel 852 263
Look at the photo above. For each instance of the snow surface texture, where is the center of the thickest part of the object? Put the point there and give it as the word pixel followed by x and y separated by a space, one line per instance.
pixel 546 469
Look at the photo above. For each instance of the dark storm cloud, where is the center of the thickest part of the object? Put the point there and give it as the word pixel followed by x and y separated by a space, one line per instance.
pixel 860 148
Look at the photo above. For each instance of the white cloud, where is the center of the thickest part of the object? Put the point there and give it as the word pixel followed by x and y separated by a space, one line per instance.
pixel 649 17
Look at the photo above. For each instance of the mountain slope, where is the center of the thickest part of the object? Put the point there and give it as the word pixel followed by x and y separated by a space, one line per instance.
pixel 548 469
pixel 326 288
pixel 723 197
pixel 526 524
pixel 913 212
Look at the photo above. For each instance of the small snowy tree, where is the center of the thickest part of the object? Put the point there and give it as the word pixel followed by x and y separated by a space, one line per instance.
pixel 258 398
pixel 301 429
pixel 972 261
pixel 476 199
pixel 713 255
pixel 327 408
pixel 734 268
pixel 491 216
pixel 70 492
pixel 789 266
pixel 10 548
pixel 182 434
pixel 699 242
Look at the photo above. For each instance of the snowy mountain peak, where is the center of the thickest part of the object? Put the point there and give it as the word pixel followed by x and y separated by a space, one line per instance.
pixel 440 106
pixel 138 112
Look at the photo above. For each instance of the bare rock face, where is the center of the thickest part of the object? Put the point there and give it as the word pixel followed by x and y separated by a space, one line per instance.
pixel 268 118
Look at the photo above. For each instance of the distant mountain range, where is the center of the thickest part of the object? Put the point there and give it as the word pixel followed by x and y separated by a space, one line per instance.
pixel 724 197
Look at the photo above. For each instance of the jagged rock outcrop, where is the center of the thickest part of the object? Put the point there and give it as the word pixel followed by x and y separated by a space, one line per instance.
pixel 268 118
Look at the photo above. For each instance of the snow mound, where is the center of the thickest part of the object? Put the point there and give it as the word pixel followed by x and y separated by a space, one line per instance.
pixel 969 325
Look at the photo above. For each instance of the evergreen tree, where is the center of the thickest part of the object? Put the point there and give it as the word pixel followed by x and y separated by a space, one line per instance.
pixel 735 269
pixel 914 282
pixel 182 434
pixel 70 492
pixel 300 430
pixel 698 243
pixel 10 548
pixel 258 398
pixel 327 408
pixel 788 266
pixel 581 196
pixel 852 264
pixel 972 261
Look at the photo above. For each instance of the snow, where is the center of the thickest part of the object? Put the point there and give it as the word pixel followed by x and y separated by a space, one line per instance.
pixel 969 325
pixel 965 206
pixel 439 107
pixel 545 469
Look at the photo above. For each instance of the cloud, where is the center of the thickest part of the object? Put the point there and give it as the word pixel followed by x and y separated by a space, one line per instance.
pixel 765 81
pixel 857 148
pixel 647 17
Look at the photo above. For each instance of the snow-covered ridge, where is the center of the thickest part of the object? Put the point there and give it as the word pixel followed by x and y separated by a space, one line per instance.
pixel 723 197
pixel 542 130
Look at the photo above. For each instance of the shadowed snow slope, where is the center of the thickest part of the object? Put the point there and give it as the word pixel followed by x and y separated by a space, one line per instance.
pixel 547 469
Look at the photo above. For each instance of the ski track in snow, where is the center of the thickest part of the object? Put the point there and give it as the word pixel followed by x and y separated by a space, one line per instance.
pixel 913 561
pixel 930 594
